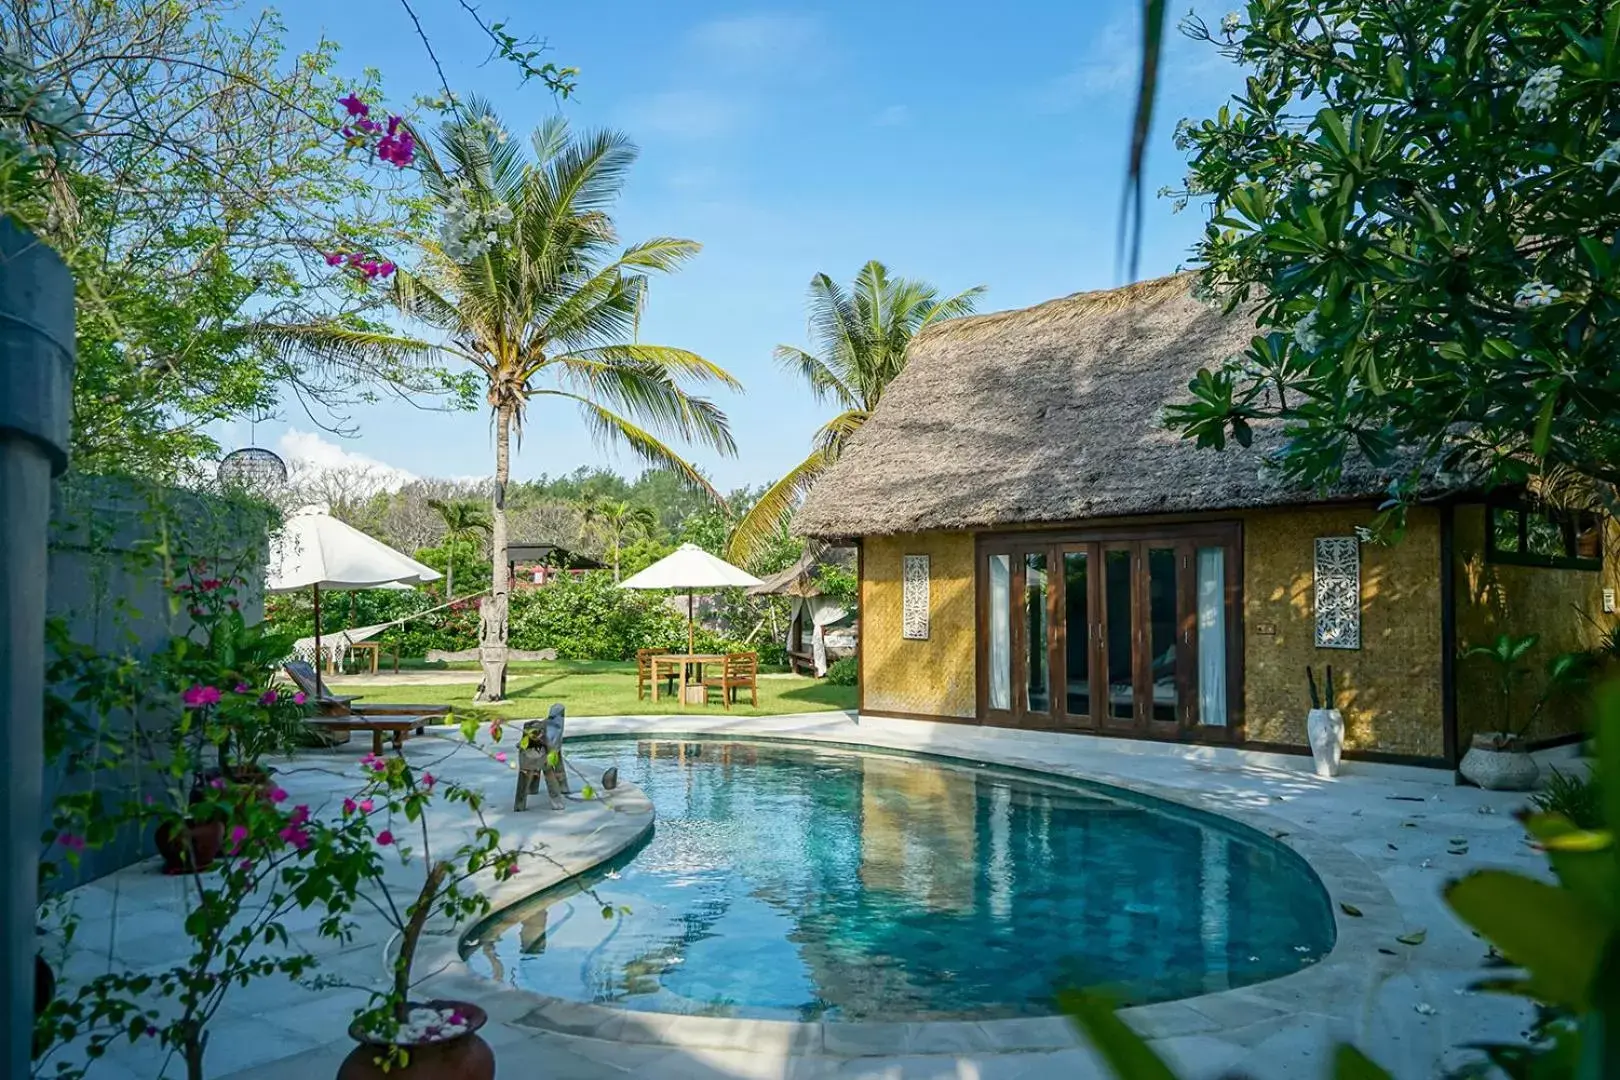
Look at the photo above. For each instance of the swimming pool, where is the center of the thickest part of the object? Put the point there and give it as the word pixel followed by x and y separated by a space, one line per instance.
pixel 810 883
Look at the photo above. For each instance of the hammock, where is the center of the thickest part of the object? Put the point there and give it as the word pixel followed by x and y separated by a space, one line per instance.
pixel 335 645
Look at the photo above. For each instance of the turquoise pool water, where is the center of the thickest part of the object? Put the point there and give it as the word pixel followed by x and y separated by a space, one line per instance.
pixel 791 882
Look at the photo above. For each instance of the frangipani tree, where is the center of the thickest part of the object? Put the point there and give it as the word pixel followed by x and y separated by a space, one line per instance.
pixel 1422 203
pixel 528 284
pixel 862 336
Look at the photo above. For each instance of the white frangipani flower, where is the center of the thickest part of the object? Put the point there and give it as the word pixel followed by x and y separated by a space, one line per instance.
pixel 1320 187
pixel 1540 91
pixel 1610 158
pixel 1231 22
pixel 1535 294
pixel 1306 337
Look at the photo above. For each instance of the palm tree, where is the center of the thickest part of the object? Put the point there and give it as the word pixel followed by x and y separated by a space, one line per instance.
pixel 862 336
pixel 527 283
pixel 464 521
pixel 617 521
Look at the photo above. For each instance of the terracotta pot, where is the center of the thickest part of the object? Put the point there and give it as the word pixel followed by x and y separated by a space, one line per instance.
pixel 1499 762
pixel 465 1057
pixel 177 844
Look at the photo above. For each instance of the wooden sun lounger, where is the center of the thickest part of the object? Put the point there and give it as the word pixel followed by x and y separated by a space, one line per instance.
pixel 400 727
pixel 336 705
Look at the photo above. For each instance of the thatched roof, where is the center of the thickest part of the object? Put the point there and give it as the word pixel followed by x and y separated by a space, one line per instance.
pixel 799 579
pixel 1048 414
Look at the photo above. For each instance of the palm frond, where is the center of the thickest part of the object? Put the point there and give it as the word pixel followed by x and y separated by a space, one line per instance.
pixel 773 510
pixel 360 352
pixel 632 378
pixel 610 427
pixel 824 381
pixel 835 434
pixel 662 254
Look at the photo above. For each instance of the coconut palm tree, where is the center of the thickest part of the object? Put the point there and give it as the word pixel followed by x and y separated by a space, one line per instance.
pixel 464 521
pixel 615 521
pixel 862 336
pixel 528 284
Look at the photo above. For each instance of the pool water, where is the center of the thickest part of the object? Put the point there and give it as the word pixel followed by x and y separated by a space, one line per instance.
pixel 800 883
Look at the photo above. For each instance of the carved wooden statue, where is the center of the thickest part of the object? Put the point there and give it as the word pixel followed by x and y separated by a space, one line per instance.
pixel 542 738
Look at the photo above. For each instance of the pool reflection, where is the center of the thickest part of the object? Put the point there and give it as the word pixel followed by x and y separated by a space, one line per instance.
pixel 800 883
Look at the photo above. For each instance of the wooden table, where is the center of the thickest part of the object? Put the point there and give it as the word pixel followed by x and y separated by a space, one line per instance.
pixel 685 661
pixel 372 647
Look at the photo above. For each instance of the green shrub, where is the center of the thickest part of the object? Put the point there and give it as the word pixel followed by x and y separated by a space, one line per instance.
pixel 1575 795
pixel 590 618
pixel 843 672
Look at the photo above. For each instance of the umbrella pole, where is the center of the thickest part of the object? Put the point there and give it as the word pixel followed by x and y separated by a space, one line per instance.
pixel 317 590
pixel 691 634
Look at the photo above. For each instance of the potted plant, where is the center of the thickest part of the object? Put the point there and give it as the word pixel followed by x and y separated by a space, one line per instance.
pixel 1500 760
pixel 1324 727
pixel 400 1036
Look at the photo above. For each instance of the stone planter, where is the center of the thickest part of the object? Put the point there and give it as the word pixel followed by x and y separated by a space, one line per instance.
pixel 1325 730
pixel 464 1057
pixel 1499 762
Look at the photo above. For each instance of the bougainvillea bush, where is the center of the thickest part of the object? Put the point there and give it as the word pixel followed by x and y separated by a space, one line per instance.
pixel 1422 203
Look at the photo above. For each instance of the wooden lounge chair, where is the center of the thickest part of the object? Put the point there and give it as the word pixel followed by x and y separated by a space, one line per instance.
pixel 739 672
pixel 644 672
pixel 343 713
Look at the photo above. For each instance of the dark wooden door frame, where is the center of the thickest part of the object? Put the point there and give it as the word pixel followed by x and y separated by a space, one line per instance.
pixel 1185 538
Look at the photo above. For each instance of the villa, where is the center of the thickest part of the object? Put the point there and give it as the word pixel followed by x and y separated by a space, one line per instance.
pixel 1038 551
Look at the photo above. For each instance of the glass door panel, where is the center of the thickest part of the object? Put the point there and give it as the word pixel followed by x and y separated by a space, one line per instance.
pixel 999 632
pixel 1119 615
pixel 1037 638
pixel 1077 641
pixel 1163 649
pixel 1211 636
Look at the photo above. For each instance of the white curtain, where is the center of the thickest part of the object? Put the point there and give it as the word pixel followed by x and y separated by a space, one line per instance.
pixel 1000 632
pixel 823 613
pixel 1212 636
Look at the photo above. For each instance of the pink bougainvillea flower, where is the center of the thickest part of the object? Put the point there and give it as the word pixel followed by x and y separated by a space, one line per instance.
pixel 239 836
pixel 71 841
pixel 195 612
pixel 300 697
pixel 495 730
pixel 267 698
pixel 333 258
pixel 184 588
pixel 299 815
pixel 349 807
pixel 370 127
pixel 384 269
pixel 295 836
pixel 500 755
pixel 385 838
pixel 198 695
pixel 393 125
pixel 366 806
pixel 217 783
pixel 277 795
pixel 355 106
pixel 151 1032
pixel 245 865
pixel 243 688
pixel 428 780
pixel 366 761
pixel 210 584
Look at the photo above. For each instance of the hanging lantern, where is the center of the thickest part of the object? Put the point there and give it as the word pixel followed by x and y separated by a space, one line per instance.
pixel 252 468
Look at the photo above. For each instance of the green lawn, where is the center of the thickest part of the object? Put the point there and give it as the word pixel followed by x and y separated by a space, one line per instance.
pixel 604 688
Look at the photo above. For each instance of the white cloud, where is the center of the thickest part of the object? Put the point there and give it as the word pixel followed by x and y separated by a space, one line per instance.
pixel 688 114
pixel 893 116
pixel 308 452
pixel 1111 65
pixel 774 43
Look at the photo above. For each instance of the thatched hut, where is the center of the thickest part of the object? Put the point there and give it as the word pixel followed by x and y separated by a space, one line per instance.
pixel 1037 550
pixel 820 628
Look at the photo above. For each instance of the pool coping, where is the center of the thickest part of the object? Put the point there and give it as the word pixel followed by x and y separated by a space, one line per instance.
pixel 1364 953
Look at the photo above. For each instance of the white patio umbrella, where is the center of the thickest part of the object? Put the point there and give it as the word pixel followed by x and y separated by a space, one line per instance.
pixel 315 550
pixel 691 568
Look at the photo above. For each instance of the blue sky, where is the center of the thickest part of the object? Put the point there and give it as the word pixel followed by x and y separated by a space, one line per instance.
pixel 965 144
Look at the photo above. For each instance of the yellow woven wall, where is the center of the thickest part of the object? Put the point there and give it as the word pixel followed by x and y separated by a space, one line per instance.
pixel 1389 689
pixel 933 677
pixel 1497 598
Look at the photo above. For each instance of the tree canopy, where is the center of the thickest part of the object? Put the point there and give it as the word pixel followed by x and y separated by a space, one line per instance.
pixel 1418 202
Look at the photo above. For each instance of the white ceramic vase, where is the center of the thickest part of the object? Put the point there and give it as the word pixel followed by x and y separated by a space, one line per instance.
pixel 1499 762
pixel 1325 730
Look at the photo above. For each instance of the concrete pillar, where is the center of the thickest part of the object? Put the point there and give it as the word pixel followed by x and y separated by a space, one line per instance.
pixel 36 387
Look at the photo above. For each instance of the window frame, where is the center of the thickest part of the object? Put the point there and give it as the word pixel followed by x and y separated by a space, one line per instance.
pixel 1568 522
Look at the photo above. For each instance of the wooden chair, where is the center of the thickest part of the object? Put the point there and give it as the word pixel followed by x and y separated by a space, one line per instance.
pixel 644 672
pixel 336 714
pixel 740 671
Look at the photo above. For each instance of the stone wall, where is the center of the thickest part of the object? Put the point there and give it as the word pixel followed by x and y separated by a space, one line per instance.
pixel 929 678
pixel 1390 688
pixel 109 542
